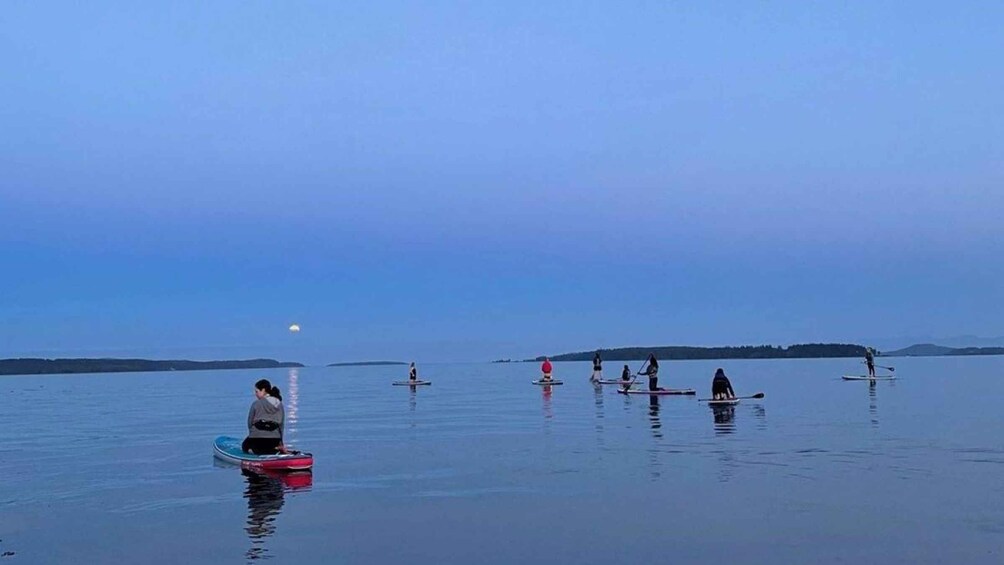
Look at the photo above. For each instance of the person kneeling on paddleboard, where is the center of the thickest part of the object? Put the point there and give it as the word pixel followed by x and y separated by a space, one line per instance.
pixel 721 388
pixel 413 372
pixel 653 373
pixel 597 368
pixel 626 378
pixel 265 421
pixel 545 368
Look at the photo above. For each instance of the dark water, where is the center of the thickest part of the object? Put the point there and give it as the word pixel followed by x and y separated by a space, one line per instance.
pixel 484 467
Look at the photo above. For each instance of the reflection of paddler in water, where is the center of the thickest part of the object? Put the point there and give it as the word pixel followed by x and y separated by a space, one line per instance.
pixel 265 498
pixel 265 493
pixel 655 462
pixel 724 419
pixel 872 405
pixel 653 416
pixel 761 416
pixel 546 395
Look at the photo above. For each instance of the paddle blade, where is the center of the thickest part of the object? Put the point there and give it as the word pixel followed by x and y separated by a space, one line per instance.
pixel 758 395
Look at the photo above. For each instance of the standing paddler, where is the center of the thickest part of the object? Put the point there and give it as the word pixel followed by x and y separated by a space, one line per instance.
pixel 653 373
pixel 597 368
pixel 870 361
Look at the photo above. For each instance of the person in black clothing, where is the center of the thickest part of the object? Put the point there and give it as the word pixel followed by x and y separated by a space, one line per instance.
pixel 626 378
pixel 412 372
pixel 597 368
pixel 721 388
pixel 870 361
pixel 653 373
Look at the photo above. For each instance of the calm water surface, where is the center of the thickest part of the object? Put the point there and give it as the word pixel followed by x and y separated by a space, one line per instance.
pixel 484 467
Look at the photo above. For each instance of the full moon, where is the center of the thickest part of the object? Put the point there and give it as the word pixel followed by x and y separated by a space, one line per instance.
pixel 294 328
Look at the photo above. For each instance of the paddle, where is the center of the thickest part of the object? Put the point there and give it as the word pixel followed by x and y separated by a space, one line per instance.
pixel 757 395
pixel 881 367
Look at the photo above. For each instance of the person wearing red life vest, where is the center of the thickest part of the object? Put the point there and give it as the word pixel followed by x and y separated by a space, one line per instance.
pixel 545 368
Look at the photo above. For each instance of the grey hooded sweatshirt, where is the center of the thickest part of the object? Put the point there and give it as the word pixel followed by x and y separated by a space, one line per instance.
pixel 268 409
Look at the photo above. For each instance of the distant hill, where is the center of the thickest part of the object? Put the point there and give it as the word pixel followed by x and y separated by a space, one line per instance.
pixel 978 351
pixel 73 366
pixel 798 351
pixel 919 350
pixel 367 363
pixel 932 350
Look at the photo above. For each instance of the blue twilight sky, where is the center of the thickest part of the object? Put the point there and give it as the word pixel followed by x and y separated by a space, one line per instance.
pixel 473 180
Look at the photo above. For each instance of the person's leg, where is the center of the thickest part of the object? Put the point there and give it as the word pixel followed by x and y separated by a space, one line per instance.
pixel 261 445
pixel 653 384
pixel 252 445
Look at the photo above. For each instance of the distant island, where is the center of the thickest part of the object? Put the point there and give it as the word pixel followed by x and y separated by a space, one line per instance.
pixel 74 366
pixel 367 363
pixel 932 350
pixel 677 352
pixel 502 361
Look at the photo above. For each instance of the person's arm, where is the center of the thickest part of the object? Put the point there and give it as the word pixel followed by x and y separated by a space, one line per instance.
pixel 251 417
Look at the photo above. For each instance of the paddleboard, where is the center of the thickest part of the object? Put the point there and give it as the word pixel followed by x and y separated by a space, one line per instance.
pixel 727 402
pixel 545 383
pixel 613 382
pixel 229 449
pixel 411 383
pixel 867 378
pixel 667 392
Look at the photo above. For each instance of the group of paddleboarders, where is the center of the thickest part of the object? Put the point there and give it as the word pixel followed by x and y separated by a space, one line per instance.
pixel 266 419
pixel 721 388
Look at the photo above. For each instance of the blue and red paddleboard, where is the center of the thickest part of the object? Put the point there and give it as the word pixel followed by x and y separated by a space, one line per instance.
pixel 229 449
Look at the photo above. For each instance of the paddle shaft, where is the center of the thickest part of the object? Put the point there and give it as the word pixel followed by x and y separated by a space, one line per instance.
pixel 881 367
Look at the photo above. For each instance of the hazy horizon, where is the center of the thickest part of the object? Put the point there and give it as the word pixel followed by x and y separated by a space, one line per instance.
pixel 476 181
pixel 310 357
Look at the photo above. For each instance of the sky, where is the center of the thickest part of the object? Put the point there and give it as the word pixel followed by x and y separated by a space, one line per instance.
pixel 466 181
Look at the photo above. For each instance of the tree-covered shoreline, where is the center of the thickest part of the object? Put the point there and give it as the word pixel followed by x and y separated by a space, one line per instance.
pixel 33 366
pixel 680 352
